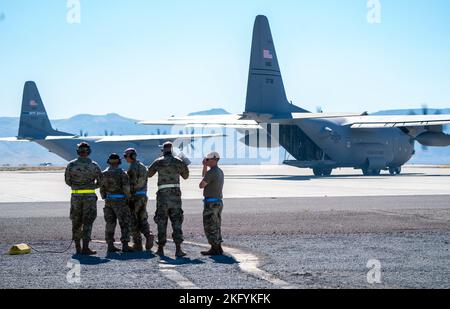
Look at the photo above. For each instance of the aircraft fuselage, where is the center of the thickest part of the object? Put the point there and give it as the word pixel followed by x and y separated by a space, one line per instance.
pixel 359 148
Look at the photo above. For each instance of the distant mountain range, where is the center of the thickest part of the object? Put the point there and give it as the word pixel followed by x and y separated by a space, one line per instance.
pixel 114 124
pixel 429 111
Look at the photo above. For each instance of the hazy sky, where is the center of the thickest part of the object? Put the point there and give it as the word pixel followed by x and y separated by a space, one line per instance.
pixel 151 59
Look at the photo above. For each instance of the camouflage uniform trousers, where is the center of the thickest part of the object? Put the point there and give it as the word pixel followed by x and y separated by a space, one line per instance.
pixel 139 217
pixel 168 205
pixel 117 210
pixel 212 221
pixel 83 212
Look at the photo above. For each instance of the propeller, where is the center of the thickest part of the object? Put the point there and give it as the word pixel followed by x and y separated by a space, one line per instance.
pixel 426 111
pixel 191 144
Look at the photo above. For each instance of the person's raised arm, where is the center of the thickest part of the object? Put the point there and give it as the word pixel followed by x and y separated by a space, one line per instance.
pixel 152 170
pixel 184 170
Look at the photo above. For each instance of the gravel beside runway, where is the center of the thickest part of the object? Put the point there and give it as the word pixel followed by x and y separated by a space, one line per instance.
pixel 408 260
pixel 306 242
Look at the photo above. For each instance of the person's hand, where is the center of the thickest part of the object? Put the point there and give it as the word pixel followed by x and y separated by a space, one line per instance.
pixel 205 161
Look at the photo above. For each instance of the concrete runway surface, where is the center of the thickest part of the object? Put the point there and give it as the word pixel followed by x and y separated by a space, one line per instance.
pixel 282 227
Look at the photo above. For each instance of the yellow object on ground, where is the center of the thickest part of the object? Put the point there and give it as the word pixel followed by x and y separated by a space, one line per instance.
pixel 20 249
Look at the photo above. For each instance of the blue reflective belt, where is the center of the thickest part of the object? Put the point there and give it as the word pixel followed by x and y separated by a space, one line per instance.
pixel 141 193
pixel 115 196
pixel 212 200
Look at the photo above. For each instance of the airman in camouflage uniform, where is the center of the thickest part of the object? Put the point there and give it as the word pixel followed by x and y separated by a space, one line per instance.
pixel 137 172
pixel 212 185
pixel 169 169
pixel 83 176
pixel 115 190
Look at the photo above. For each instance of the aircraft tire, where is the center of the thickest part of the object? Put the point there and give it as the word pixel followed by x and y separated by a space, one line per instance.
pixel 327 172
pixel 322 172
pixel 395 171
pixel 317 172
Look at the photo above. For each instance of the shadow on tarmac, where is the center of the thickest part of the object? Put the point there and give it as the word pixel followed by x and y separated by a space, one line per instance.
pixel 306 178
pixel 224 259
pixel 120 256
pixel 180 261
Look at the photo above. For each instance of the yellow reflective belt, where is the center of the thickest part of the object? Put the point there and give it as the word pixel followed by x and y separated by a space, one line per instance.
pixel 83 191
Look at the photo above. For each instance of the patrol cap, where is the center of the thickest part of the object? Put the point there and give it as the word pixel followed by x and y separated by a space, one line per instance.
pixel 213 155
pixel 130 152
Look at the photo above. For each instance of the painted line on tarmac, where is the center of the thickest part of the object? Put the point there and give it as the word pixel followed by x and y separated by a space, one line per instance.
pixel 168 271
pixel 249 263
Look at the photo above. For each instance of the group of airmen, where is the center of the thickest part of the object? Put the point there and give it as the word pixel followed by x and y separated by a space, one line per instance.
pixel 125 195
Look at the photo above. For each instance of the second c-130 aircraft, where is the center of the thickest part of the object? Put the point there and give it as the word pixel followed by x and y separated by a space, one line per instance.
pixel 322 141
pixel 35 127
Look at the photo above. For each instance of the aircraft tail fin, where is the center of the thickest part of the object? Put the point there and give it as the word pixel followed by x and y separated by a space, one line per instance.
pixel 265 90
pixel 34 122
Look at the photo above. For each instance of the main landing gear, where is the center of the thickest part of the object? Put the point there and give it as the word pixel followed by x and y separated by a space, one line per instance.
pixel 371 172
pixel 376 172
pixel 322 172
pixel 395 171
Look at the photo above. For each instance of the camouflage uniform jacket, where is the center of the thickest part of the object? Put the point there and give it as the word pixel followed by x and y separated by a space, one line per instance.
pixel 115 181
pixel 169 169
pixel 138 177
pixel 83 174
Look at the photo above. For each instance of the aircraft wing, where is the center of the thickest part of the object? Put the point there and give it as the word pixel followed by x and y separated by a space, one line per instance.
pixel 222 121
pixel 143 138
pixel 119 138
pixel 369 122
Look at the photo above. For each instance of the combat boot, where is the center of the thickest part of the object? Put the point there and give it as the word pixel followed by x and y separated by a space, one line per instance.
pixel 149 240
pixel 215 250
pixel 126 247
pixel 160 251
pixel 86 250
pixel 179 253
pixel 112 248
pixel 137 244
pixel 78 246
pixel 219 247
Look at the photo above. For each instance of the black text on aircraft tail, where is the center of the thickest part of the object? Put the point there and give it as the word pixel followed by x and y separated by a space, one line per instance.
pixel 34 122
pixel 265 90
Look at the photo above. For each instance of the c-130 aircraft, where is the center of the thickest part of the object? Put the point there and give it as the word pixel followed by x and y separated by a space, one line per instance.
pixel 322 141
pixel 35 127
